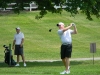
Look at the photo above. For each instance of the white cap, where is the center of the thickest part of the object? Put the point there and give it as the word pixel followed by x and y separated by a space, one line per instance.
pixel 60 23
pixel 18 28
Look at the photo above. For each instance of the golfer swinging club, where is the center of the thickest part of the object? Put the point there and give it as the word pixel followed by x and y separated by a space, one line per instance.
pixel 66 47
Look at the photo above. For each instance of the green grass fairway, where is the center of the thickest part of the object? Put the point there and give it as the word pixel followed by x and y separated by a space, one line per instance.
pixel 52 68
pixel 40 44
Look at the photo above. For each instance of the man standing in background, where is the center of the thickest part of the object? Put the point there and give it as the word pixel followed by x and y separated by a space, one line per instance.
pixel 18 46
pixel 66 47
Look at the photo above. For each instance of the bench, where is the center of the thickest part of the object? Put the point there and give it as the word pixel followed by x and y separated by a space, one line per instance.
pixel 31 6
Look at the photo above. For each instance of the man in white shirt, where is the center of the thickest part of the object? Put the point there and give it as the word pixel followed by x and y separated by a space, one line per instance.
pixel 18 44
pixel 66 47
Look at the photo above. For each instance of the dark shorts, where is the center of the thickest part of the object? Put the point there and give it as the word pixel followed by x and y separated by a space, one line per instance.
pixel 66 51
pixel 18 50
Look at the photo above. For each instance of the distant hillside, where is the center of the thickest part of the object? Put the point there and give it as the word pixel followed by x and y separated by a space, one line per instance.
pixel 40 43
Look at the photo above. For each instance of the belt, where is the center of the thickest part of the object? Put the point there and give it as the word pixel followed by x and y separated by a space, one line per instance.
pixel 66 43
pixel 17 45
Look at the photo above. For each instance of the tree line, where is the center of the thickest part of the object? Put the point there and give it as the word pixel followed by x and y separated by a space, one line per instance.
pixel 89 7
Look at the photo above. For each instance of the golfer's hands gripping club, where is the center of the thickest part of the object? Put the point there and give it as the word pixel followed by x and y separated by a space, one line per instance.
pixel 73 24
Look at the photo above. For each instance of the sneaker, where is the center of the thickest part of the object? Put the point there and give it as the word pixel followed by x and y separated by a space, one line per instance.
pixel 24 64
pixel 65 72
pixel 17 65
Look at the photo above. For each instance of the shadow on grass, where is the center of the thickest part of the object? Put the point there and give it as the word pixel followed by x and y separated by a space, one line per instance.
pixel 5 13
pixel 9 12
pixel 32 64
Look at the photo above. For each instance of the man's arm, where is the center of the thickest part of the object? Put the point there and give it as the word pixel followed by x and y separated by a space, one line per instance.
pixel 68 27
pixel 22 42
pixel 75 30
pixel 13 44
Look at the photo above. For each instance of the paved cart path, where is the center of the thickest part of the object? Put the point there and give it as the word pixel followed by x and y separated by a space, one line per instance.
pixel 72 59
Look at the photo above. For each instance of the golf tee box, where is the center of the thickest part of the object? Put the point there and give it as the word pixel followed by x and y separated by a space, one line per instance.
pixel 92 47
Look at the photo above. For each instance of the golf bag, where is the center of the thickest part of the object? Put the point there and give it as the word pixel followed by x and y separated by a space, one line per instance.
pixel 8 57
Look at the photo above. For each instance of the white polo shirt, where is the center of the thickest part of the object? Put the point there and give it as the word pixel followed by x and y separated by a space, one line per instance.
pixel 18 38
pixel 65 36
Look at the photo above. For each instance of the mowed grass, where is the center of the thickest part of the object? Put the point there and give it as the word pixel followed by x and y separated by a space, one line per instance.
pixel 40 44
pixel 52 68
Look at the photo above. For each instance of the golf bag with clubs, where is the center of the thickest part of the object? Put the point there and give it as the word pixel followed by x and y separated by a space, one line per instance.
pixel 8 56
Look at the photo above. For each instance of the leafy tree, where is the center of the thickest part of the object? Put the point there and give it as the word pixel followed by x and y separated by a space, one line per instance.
pixel 89 7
